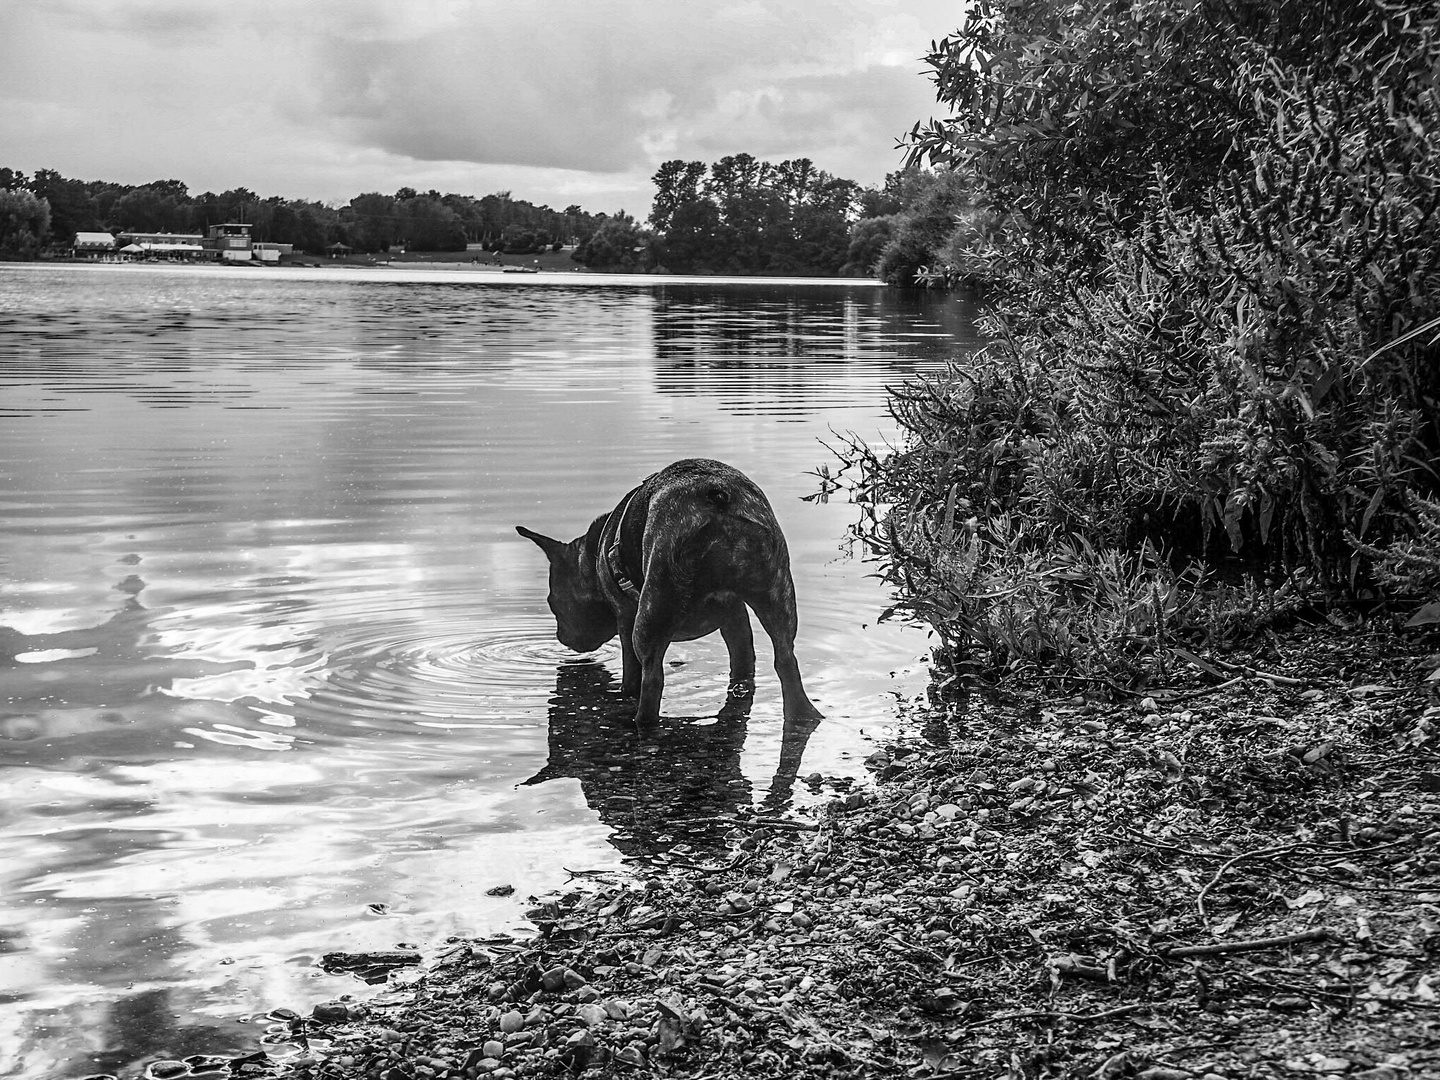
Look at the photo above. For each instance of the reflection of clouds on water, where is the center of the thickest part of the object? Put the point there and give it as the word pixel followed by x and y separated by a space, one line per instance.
pixel 113 702
pixel 273 652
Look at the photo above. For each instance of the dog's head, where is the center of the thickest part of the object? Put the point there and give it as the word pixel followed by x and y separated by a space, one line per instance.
pixel 583 620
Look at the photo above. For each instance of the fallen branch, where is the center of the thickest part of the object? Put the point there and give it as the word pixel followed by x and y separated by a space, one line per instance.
pixel 1253 945
pixel 1169 697
pixel 1262 853
pixel 1041 1014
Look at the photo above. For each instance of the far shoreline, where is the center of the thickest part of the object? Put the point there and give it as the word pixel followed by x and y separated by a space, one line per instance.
pixel 430 273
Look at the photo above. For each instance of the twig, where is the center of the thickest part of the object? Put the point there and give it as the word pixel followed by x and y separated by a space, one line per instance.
pixel 1255 673
pixel 1041 1014
pixel 904 948
pixel 1186 695
pixel 772 822
pixel 1253 945
pixel 1359 886
pixel 1205 891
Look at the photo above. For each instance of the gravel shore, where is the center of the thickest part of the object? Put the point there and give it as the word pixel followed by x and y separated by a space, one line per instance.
pixel 1236 877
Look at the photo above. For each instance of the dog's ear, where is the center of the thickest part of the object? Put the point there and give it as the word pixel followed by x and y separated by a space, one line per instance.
pixel 547 544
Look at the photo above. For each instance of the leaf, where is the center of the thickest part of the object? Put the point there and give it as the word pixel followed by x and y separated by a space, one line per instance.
pixel 1428 615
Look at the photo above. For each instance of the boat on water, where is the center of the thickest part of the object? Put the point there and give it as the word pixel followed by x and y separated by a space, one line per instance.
pixel 520 270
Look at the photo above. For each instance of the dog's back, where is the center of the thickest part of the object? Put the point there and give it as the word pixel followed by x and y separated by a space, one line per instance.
pixel 711 520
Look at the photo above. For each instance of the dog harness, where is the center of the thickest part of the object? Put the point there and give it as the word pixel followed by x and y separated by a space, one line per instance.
pixel 612 554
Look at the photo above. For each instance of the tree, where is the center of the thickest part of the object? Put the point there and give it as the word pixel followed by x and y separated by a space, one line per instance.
pixel 373 224
pixel 937 207
pixel 72 208
pixel 619 244
pixel 152 209
pixel 745 215
pixel 868 238
pixel 24 224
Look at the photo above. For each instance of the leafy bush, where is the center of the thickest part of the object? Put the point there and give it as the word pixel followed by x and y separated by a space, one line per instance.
pixel 619 244
pixel 1215 229
pixel 24 224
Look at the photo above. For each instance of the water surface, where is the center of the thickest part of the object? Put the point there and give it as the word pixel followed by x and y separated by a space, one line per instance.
pixel 276 673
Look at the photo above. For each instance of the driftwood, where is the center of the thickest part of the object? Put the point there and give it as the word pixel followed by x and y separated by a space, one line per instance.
pixel 1253 945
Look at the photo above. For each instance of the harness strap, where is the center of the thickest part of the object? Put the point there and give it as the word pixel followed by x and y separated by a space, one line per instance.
pixel 612 554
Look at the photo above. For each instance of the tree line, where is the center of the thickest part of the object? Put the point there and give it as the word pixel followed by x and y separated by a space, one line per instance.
pixel 739 215
pixel 47 208
pixel 743 215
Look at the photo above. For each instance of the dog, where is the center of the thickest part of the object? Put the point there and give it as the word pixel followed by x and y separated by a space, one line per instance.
pixel 680 556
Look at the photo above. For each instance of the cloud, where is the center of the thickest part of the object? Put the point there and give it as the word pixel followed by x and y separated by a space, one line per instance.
pixel 584 95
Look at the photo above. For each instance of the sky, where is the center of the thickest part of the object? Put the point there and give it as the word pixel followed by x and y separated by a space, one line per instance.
pixel 558 102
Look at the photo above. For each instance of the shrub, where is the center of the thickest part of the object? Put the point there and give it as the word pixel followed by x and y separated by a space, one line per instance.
pixel 1215 229
pixel 24 224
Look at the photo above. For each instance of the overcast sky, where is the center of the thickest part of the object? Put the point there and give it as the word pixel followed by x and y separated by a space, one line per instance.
pixel 560 101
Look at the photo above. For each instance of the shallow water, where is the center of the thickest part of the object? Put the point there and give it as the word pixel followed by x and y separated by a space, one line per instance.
pixel 277 677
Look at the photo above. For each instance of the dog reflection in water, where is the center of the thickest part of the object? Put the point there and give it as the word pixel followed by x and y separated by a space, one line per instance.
pixel 680 783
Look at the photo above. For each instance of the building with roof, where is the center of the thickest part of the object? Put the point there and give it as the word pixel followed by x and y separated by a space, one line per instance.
pixel 163 245
pixel 229 241
pixel 92 245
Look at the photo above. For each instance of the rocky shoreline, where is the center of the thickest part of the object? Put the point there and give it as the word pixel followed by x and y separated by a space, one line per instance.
pixel 1235 877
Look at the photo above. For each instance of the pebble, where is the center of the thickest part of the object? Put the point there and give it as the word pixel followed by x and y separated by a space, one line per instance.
pixel 592 1015
pixel 163 1069
pixel 632 1054
pixel 617 1009
pixel 493 1048
pixel 511 1022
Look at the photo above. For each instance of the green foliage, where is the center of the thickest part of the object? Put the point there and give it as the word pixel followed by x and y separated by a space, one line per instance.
pixel 620 244
pixel 1213 226
pixel 24 224
pixel 746 216
pixel 868 238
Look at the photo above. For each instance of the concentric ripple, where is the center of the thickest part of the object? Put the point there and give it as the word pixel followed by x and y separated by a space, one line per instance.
pixel 451 675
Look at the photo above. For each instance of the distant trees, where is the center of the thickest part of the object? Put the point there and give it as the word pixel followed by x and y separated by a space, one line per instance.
pixel 24 224
pixel 370 222
pixel 741 215
pixel 619 243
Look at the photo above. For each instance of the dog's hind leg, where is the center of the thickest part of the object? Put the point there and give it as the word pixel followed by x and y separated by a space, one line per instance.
pixel 741 643
pixel 776 611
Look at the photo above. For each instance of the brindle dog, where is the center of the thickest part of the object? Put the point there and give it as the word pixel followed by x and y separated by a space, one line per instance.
pixel 680 557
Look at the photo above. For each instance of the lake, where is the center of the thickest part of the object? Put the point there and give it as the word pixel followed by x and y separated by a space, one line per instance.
pixel 277 676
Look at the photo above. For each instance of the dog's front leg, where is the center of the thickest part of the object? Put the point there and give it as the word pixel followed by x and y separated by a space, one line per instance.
pixel 629 662
pixel 654 630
